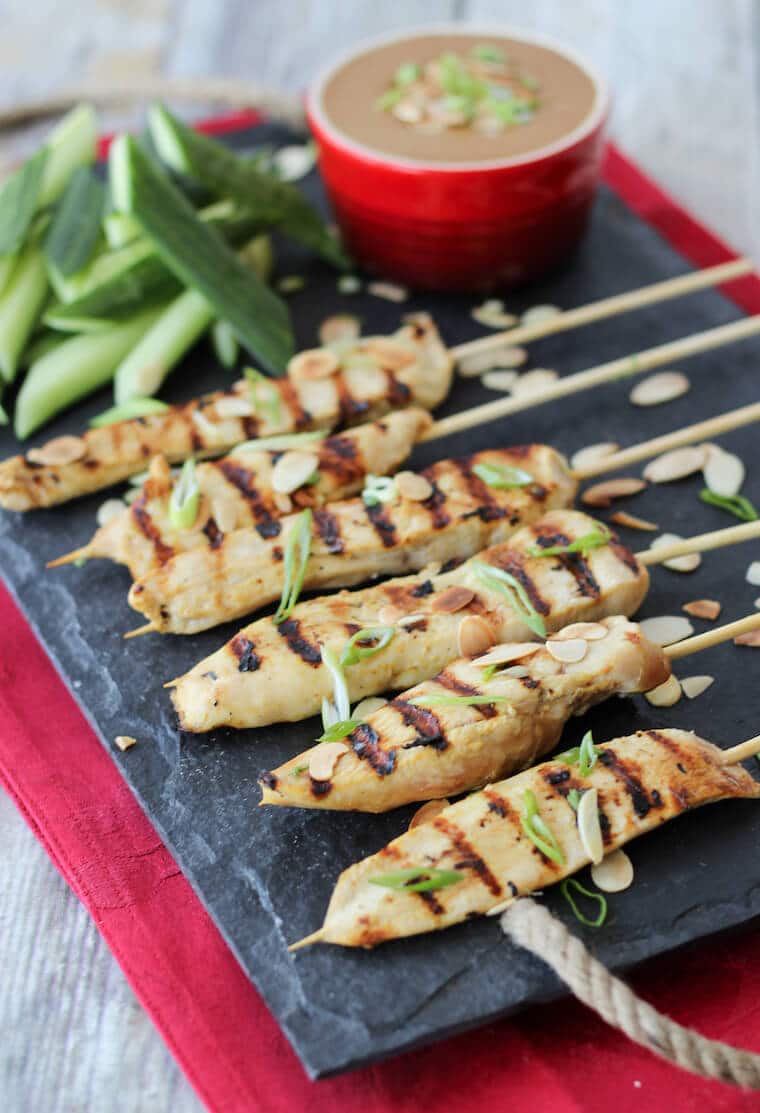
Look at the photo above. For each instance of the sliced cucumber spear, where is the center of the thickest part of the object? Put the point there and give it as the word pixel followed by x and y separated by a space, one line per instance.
pixel 76 225
pixel 21 304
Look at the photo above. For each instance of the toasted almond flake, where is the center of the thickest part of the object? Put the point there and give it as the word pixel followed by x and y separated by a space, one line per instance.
pixel 478 362
pixel 506 652
pixel 666 695
pixel 389 291
pixel 539 314
pixel 349 284
pixel 502 906
pixel 59 451
pixel 592 454
pixel 453 599
pixel 391 354
pixel 314 363
pixel 233 407
pixel 534 382
pixel 428 812
pixel 622 518
pixel 752 637
pixel 493 315
pixel 341 326
pixel 676 464
pixel 614 873
pixel 474 636
pixel 660 388
pixel 284 503
pixel 666 629
pixel 693 686
pixel 703 608
pixel 589 828
pixel 367 707
pixel 324 759
pixel 688 563
pixel 568 652
pixel 207 429
pixel 591 631
pixel 512 358
pixel 753 573
pixel 518 671
pixel 500 380
pixel 407 112
pixel 410 620
pixel 109 510
pixel 724 473
pixel 292 470
pixel 412 486
pixel 602 494
pixel 224 511
pixel 389 615
pixel 124 741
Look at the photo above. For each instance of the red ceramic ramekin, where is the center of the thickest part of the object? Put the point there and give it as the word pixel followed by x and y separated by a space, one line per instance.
pixel 461 226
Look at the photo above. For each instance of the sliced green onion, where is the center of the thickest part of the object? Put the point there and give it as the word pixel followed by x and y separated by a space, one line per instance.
pixel 120 229
pixel 298 770
pixel 538 831
pixel 422 880
pixel 497 579
pixel 185 498
pixel 135 407
pixel 587 754
pixel 595 539
pixel 339 730
pixel 488 52
pixel 356 648
pixel 226 347
pixel 377 489
pixel 569 757
pixel 570 883
pixel 19 201
pixel 75 228
pixel 738 505
pixel 297 552
pixel 265 397
pixel 274 444
pixel 574 798
pixel 406 73
pixel 339 706
pixel 389 99
pixel 70 144
pixel 435 699
pixel 502 476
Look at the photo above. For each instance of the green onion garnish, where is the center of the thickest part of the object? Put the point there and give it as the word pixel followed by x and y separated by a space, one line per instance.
pixel 600 899
pixel 276 444
pixel 265 397
pixel 299 769
pixel 487 52
pixel 406 73
pixel 434 699
pixel 185 498
pixel 356 648
pixel 377 489
pixel 502 476
pixel 538 831
pixel 297 552
pixel 420 880
pixel 339 730
pixel 496 579
pixel 135 407
pixel 574 798
pixel 19 196
pixel 584 756
pixel 338 709
pixel 738 505
pixel 595 539
pixel 389 99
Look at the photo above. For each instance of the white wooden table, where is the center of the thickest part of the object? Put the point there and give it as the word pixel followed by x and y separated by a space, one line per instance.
pixel 687 106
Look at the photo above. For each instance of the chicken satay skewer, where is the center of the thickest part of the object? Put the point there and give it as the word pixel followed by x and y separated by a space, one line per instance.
pixel 475 722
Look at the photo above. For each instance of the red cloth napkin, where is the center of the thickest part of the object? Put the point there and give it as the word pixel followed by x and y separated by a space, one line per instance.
pixel 554 1059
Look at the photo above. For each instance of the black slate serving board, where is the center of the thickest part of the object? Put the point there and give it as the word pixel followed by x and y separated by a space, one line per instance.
pixel 265 876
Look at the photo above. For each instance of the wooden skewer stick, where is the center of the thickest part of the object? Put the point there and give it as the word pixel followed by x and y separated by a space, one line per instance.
pixel 138 632
pixel 714 637
pixel 608 307
pixel 736 754
pixel 712 427
pixel 701 543
pixel 604 373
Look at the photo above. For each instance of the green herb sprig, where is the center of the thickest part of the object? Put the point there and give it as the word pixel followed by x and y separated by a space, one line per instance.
pixel 435 699
pixel 538 830
pixel 297 553
pixel 135 407
pixel 502 476
pixel 366 643
pixel 565 888
pixel 339 730
pixel 595 539
pixel 584 756
pixel 185 498
pixel 415 880
pixel 738 505
pixel 497 579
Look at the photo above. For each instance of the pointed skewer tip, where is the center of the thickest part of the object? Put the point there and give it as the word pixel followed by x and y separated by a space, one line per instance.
pixel 68 558
pixel 315 937
pixel 148 628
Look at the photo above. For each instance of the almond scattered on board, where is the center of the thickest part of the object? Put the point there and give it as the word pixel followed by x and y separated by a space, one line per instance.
pixel 389 291
pixel 753 573
pixel 492 314
pixel 539 315
pixel 614 873
pixel 592 454
pixel 666 695
pixel 663 387
pixel 666 629
pixel 693 686
pixel 703 608
pixel 622 518
pixel 341 326
pixel 534 382
pixel 723 472
pixel 676 464
pixel 500 380
pixel 324 759
pixel 124 742
pixel 689 562
pixel 602 494
pixel 428 812
pixel 751 638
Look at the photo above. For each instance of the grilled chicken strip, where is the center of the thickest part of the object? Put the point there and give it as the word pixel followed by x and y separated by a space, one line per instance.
pixel 352 542
pixel 406 752
pixel 642 780
pixel 321 391
pixel 249 682
pixel 237 492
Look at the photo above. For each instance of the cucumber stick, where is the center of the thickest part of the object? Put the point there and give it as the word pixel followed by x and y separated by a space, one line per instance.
pixel 72 370
pixel 76 225
pixel 199 257
pixel 71 144
pixel 21 304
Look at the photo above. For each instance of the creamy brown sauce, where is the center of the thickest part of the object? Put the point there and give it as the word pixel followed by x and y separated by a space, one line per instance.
pixel 567 96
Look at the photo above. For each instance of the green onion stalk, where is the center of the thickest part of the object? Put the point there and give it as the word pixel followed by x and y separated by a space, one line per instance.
pixel 21 305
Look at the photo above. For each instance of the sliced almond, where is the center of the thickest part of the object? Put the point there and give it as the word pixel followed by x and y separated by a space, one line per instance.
pixel 59 451
pixel 410 620
pixel 614 873
pixel 124 741
pixel 591 631
pixel 703 608
pixel 324 759
pixel 517 671
pixel 534 382
pixel 666 695
pixel 391 354
pixel 428 812
pixel 622 518
pixel 724 473
pixel 407 112
pixel 500 380
pixel 209 430
pixel 666 629
pixel 687 563
pixel 284 503
pixel 602 494
pixel 109 510
pixel 389 291
pixel 224 511
pixel 676 464
pixel 506 652
pixel 502 906
pixel 660 388
pixel 341 326
pixel 693 686
pixel 539 315
pixel 752 638
pixel 233 407
pixel 292 470
pixel 493 315
pixel 474 636
pixel 753 573
pixel 453 599
pixel 412 486
pixel 568 652
pixel 592 454
pixel 367 707
pixel 314 363
pixel 478 362
pixel 511 358
pixel 589 827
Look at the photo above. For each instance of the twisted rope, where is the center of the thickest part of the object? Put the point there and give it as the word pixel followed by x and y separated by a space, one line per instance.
pixel 533 927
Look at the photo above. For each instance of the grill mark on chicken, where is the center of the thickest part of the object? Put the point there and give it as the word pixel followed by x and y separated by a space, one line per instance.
pixel 497 805
pixel 470 859
pixel 398 393
pixel 214 534
pixel 289 395
pixel 574 563
pixel 423 589
pixel 243 649
pixel 425 723
pixel 242 479
pixel 365 742
pixel 624 554
pixel 432 902
pixel 383 525
pixel 436 503
pixel 268 780
pixel 150 530
pixel 510 561
pixel 328 528
pixel 290 630
pixel 349 408
pixel 320 788
pixel 626 772
pixel 488 510
pixel 446 680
